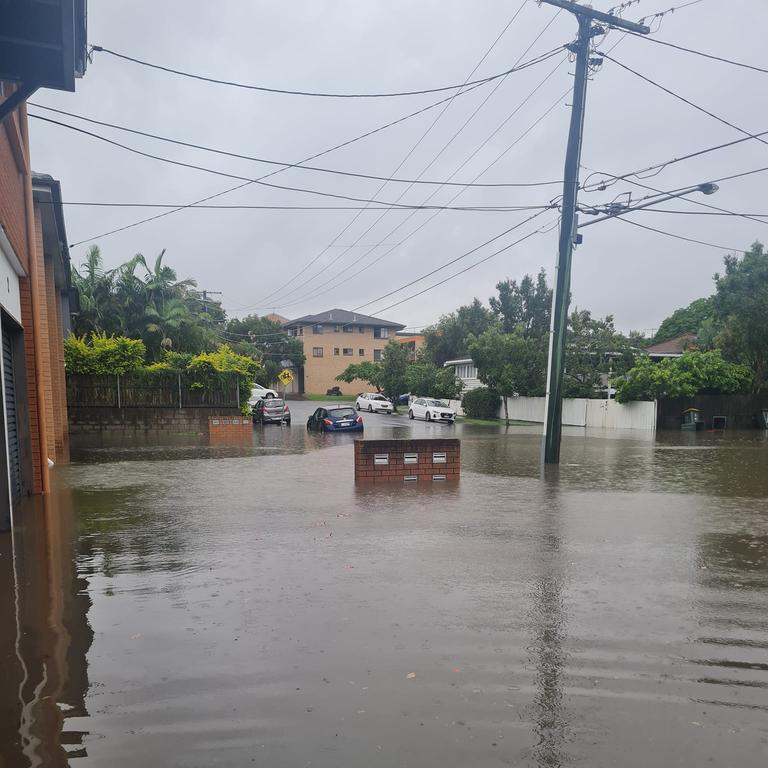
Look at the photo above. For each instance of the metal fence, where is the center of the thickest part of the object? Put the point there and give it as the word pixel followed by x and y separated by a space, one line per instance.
pixel 157 391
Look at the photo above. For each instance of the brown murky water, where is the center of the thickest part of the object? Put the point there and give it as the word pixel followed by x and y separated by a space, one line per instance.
pixel 190 606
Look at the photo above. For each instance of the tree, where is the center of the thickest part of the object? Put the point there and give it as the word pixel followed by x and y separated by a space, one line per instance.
pixel 423 378
pixel 366 371
pixel 691 374
pixel 741 303
pixel 508 363
pixel 394 365
pixel 593 352
pixel 446 340
pixel 687 320
pixel 527 305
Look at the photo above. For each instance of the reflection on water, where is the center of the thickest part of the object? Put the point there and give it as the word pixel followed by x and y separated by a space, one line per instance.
pixel 44 638
pixel 251 605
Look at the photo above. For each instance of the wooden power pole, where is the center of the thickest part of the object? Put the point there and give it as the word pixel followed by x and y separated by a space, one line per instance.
pixel 589 26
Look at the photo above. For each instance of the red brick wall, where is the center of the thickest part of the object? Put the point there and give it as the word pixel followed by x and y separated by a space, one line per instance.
pixel 12 186
pixel 396 470
pixel 226 429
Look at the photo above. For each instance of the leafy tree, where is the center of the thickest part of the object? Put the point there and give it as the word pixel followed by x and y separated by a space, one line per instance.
pixel 593 352
pixel 527 305
pixel 691 374
pixel 686 320
pixel 481 403
pixel 394 366
pixel 366 371
pixel 207 367
pixel 423 378
pixel 741 303
pixel 508 363
pixel 447 340
pixel 265 339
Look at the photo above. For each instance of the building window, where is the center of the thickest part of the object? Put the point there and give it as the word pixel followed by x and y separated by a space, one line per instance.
pixel 377 355
pixel 348 351
pixel 337 329
pixel 317 351
pixel 381 333
pixel 349 328
pixel 317 329
pixel 361 352
pixel 336 351
pixel 361 329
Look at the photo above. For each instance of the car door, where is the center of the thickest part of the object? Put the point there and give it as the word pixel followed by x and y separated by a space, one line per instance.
pixel 313 419
pixel 418 408
pixel 320 414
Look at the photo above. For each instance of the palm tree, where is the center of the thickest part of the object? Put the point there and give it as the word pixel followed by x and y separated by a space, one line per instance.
pixel 95 286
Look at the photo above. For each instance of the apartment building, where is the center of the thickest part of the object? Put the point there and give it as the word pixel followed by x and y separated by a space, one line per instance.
pixel 334 339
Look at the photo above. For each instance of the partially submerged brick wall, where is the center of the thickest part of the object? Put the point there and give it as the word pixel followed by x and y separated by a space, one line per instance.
pixel 128 422
pixel 225 429
pixel 387 461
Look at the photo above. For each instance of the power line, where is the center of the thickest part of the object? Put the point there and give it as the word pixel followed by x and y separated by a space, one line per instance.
pixel 423 224
pixel 332 279
pixel 700 213
pixel 684 100
pixel 285 165
pixel 595 186
pixel 460 272
pixel 213 171
pixel 292 92
pixel 702 53
pixel 410 152
pixel 273 173
pixel 249 207
pixel 679 237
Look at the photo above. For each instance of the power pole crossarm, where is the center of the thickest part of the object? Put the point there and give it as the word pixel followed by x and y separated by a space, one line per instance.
pixel 606 18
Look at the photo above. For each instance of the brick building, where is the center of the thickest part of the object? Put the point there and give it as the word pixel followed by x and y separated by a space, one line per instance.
pixel 43 47
pixel 332 341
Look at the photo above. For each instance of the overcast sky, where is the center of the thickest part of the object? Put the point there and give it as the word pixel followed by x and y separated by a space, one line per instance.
pixel 341 45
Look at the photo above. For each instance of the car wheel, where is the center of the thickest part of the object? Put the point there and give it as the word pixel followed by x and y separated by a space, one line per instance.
pixel 357 406
pixel 370 409
pixel 410 415
pixel 429 416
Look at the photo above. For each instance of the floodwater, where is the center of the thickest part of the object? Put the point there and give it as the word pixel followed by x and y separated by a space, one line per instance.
pixel 183 605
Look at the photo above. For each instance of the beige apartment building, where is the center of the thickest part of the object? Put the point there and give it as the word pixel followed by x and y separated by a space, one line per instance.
pixel 334 339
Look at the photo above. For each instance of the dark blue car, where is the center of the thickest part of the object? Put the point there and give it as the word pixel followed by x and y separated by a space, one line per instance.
pixel 339 419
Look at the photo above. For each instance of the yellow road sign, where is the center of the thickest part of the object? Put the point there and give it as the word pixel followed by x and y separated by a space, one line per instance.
pixel 285 376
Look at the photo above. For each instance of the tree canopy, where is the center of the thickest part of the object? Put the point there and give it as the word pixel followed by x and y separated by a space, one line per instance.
pixel 687 320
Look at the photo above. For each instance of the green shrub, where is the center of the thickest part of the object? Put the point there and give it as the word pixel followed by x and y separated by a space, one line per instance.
pixel 207 368
pixel 481 403
pixel 102 355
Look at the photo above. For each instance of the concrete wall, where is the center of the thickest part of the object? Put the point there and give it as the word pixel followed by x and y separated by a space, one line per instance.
pixel 106 422
pixel 598 414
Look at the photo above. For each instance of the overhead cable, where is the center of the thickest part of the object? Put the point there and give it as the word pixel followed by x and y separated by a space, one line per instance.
pixel 285 165
pixel 679 237
pixel 215 172
pixel 700 53
pixel 295 92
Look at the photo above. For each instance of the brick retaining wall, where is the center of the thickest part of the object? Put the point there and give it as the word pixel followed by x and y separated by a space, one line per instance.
pixel 107 422
pixel 384 461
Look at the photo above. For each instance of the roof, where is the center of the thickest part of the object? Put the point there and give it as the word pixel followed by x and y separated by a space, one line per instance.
pixel 462 361
pixel 672 348
pixel 342 317
pixel 46 192
pixel 275 318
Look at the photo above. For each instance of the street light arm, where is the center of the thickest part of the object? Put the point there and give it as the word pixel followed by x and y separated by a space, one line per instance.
pixel 707 189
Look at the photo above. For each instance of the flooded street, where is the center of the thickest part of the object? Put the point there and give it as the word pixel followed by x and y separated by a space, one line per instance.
pixel 187 605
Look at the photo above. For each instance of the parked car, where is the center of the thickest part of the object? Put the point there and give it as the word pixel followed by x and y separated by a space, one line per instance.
pixel 404 399
pixel 260 393
pixel 373 403
pixel 431 410
pixel 335 419
pixel 272 410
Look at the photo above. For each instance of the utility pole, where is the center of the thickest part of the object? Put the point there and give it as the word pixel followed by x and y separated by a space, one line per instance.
pixel 205 299
pixel 562 289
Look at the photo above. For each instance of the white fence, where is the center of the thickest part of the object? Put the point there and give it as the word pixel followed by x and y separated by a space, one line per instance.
pixel 598 414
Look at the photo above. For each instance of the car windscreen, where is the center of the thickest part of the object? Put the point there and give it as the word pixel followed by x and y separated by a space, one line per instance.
pixel 378 397
pixel 437 403
pixel 342 413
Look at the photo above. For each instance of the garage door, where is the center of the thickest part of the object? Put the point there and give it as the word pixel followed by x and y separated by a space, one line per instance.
pixel 14 459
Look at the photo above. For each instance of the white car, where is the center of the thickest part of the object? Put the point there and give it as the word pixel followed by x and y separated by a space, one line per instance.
pixel 260 393
pixel 373 403
pixel 431 410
